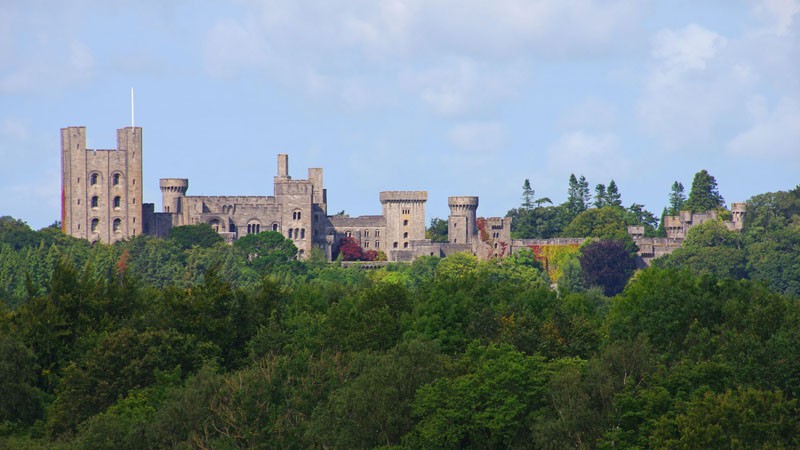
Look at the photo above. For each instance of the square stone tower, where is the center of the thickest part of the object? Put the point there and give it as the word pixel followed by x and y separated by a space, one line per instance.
pixel 404 212
pixel 101 190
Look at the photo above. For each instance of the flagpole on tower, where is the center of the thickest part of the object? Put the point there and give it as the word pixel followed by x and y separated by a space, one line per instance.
pixel 132 126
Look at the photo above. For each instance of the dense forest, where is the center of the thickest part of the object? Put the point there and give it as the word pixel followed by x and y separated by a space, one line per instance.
pixel 188 342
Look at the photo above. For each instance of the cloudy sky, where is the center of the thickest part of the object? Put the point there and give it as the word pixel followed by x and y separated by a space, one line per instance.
pixel 453 97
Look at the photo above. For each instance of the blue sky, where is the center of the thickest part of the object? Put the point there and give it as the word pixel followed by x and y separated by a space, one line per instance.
pixel 461 97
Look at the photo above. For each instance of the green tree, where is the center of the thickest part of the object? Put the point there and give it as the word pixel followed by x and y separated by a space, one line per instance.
pixel 578 195
pixel 491 405
pixel 704 195
pixel 603 223
pixel 677 199
pixel 608 264
pixel 267 249
pixel 600 196
pixel 527 195
pixel 189 235
pixel 437 231
pixel 613 197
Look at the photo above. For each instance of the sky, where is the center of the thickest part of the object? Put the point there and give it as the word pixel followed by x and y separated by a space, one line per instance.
pixel 467 97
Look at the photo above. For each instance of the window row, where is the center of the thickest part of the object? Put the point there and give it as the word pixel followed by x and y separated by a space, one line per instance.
pixel 367 244
pixel 297 233
pixel 94 202
pixel 116 225
pixel 365 233
pixel 94 179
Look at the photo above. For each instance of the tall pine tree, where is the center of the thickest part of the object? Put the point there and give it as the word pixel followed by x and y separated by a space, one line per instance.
pixel 704 195
pixel 677 199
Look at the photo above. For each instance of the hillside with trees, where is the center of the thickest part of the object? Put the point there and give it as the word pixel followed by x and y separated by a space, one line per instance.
pixel 188 342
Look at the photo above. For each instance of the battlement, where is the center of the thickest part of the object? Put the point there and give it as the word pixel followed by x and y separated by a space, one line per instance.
pixel 403 196
pixel 463 202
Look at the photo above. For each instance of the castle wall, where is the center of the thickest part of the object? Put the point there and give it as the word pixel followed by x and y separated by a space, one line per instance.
pixel 404 212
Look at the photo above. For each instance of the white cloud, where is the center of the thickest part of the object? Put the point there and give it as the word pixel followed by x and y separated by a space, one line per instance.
pixel 678 53
pixel 454 55
pixel 773 133
pixel 478 136
pixel 779 13
pixel 596 155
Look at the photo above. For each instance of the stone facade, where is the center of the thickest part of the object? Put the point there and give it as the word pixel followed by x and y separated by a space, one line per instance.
pixel 101 190
pixel 102 201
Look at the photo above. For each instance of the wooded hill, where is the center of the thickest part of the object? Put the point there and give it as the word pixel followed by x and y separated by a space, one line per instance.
pixel 188 342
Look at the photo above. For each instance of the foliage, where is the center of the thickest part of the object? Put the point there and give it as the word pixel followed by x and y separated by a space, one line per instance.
pixel 677 199
pixel 578 195
pixel 350 250
pixel 606 263
pixel 437 231
pixel 704 195
pixel 201 235
pixel 554 257
pixel 266 250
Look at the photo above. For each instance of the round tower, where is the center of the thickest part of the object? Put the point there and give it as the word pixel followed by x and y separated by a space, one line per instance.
pixel 172 190
pixel 461 222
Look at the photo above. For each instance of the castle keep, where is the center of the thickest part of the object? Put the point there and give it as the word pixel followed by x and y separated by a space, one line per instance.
pixel 102 201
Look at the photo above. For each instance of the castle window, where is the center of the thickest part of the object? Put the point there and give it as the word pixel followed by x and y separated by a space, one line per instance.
pixel 405 223
pixel 116 226
pixel 296 215
pixel 377 233
pixel 95 223
pixel 93 179
pixel 366 244
pixel 302 233
pixel 394 244
pixel 348 233
pixel 115 179
pixel 116 202
pixel 79 201
pixel 366 233
pixel 405 244
pixel 274 227
pixel 405 235
pixel 377 244
pixel 297 233
pixel 291 233
pixel 95 201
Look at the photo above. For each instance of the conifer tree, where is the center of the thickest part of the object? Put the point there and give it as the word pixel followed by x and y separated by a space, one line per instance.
pixel 613 197
pixel 704 195
pixel 677 199
pixel 600 196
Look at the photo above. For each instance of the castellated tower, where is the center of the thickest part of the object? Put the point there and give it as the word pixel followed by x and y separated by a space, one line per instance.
pixel 461 223
pixel 173 190
pixel 404 212
pixel 101 190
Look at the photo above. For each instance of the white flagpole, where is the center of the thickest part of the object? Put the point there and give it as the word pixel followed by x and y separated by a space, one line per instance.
pixel 132 126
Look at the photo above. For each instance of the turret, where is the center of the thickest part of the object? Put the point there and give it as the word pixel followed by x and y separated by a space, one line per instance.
pixel 461 223
pixel 172 191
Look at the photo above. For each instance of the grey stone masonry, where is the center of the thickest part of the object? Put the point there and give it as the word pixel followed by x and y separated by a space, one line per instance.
pixel 101 190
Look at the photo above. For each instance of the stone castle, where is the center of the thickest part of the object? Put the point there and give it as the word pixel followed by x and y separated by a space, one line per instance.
pixel 102 201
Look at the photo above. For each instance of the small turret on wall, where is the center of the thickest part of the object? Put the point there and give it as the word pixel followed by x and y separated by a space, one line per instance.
pixel 462 220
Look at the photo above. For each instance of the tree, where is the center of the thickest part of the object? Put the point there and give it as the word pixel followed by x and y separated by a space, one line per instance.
pixel 189 235
pixel 350 250
pixel 578 195
pixel 677 199
pixel 604 223
pixel 704 195
pixel 437 231
pixel 600 196
pixel 636 215
pixel 527 195
pixel 266 249
pixel 607 264
pixel 613 197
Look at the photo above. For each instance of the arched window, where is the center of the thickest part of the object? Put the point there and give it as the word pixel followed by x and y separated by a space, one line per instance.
pixel 405 223
pixel 93 179
pixel 95 201
pixel 117 225
pixel 377 233
pixel 302 233
pixel 117 201
pixel 296 215
pixel 274 227
pixel 394 244
pixel 95 224
pixel 405 244
pixel 377 244
pixel 291 233
pixel 115 179
pixel 348 233
pixel 405 235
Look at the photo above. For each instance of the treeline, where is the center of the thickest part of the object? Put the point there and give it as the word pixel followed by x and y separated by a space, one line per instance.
pixel 188 342
pixel 538 218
